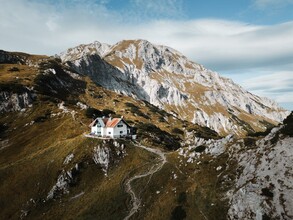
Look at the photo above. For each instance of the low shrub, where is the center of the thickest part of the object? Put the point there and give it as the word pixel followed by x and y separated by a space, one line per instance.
pixel 107 112
pixel 182 198
pixel 136 110
pixel 288 128
pixel 177 131
pixel 42 118
pixel 3 128
pixel 249 142
pixel 267 192
pixel 13 69
pixel 178 213
pixel 93 113
pixel 200 148
pixel 162 119
pixel 158 136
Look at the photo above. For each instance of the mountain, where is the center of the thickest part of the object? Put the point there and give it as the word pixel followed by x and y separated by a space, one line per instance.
pixel 174 170
pixel 167 79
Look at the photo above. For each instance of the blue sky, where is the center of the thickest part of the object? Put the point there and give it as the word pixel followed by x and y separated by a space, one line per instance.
pixel 250 41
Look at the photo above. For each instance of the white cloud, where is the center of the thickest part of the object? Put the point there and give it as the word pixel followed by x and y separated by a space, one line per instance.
pixel 278 85
pixel 219 44
pixel 39 27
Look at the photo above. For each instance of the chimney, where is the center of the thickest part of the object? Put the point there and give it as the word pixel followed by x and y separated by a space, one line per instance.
pixel 110 117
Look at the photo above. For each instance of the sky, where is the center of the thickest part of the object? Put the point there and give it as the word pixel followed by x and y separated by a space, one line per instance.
pixel 249 41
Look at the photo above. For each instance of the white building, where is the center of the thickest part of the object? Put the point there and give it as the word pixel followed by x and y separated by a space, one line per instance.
pixel 111 127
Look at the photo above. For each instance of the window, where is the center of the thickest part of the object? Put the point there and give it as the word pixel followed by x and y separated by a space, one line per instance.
pixel 109 132
pixel 119 126
pixel 121 132
pixel 97 124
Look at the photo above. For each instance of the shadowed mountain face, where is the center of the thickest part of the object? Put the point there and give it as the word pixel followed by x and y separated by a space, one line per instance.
pixel 167 79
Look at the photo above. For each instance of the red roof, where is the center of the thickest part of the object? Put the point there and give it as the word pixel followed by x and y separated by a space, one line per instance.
pixel 109 123
pixel 113 122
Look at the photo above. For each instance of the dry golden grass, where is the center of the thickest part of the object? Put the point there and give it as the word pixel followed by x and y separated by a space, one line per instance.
pixel 119 62
pixel 33 159
pixel 24 76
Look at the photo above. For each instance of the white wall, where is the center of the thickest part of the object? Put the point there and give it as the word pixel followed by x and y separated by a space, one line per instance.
pixel 122 129
pixel 110 132
pixel 103 131
pixel 96 130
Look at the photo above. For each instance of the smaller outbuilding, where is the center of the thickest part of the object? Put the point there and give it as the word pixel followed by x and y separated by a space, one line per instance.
pixel 112 128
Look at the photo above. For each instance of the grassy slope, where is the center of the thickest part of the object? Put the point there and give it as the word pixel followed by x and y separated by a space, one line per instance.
pixel 33 157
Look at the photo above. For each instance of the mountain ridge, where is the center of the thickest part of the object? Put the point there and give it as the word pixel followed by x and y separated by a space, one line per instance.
pixel 167 79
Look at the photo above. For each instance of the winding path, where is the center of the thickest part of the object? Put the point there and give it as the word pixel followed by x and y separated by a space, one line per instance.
pixel 136 203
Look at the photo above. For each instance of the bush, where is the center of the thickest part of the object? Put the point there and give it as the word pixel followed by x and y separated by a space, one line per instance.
pixel 154 109
pixel 45 98
pixel 259 133
pixel 93 113
pixel 130 105
pixel 200 148
pixel 249 142
pixel 3 128
pixel 177 131
pixel 162 119
pixel 267 192
pixel 178 213
pixel 97 96
pixel 42 118
pixel 203 132
pixel 288 128
pixel 182 198
pixel 13 69
pixel 265 217
pixel 158 136
pixel 71 102
pixel 135 110
pixel 13 87
pixel 107 112
pixel 130 122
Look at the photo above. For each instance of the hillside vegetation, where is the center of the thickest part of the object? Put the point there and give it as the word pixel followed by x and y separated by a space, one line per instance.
pixel 47 168
pixel 50 170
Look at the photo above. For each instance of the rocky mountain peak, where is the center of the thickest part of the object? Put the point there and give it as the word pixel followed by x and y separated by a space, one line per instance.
pixel 167 79
pixel 85 49
pixel 148 57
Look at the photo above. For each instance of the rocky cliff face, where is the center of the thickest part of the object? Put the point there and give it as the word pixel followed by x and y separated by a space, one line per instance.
pixel 12 101
pixel 166 78
pixel 256 180
pixel 8 57
pixel 264 189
